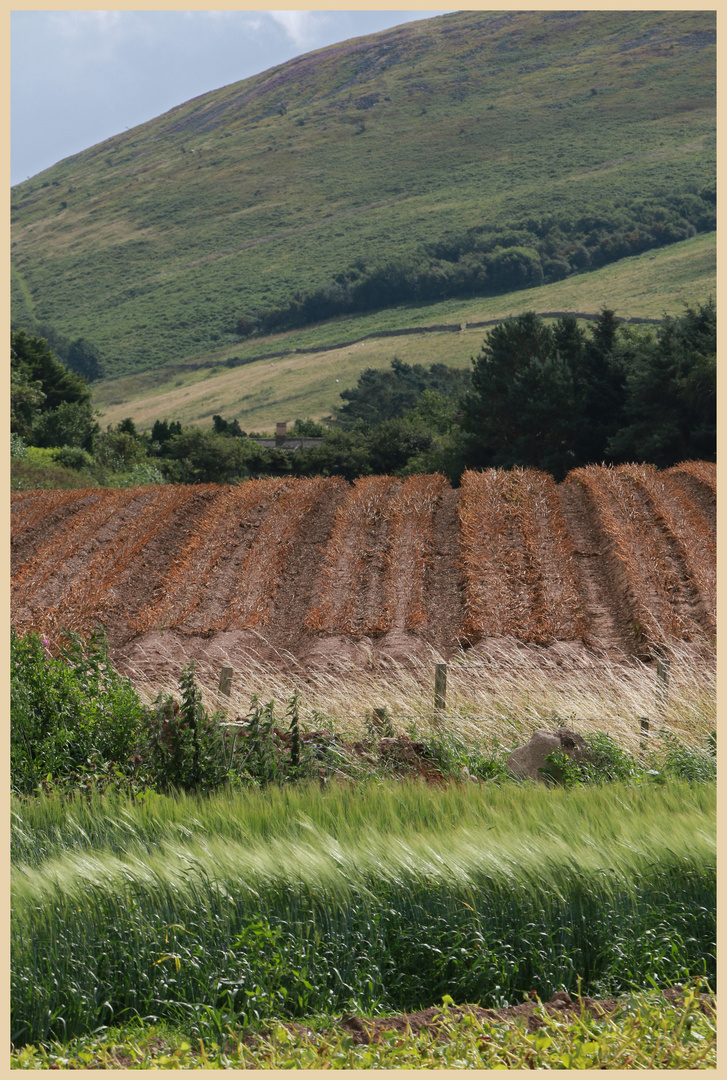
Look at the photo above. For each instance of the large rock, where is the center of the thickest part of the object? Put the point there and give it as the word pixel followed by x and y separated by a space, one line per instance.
pixel 527 761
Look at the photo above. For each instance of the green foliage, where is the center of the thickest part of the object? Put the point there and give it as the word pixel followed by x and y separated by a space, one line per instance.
pixel 31 475
pixel 162 431
pixel 385 898
pixel 119 450
pixel 670 402
pixel 394 392
pixel 31 357
pixel 522 405
pixel 71 424
pixel 69 714
pixel 486 261
pixel 227 427
pixel 185 747
pixel 73 457
pixel 197 456
pixel 645 1032
pixel 556 398
pixel 307 429
pixel 18 448
pixel 687 762
pixel 26 400
pixel 143 473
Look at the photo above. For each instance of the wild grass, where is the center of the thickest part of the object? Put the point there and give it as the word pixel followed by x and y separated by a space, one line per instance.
pixel 502 690
pixel 370 918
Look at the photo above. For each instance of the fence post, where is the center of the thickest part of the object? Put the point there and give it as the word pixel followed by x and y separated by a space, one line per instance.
pixel 644 732
pixel 440 687
pixel 225 687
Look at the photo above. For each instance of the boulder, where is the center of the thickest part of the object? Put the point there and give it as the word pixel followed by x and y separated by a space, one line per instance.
pixel 527 761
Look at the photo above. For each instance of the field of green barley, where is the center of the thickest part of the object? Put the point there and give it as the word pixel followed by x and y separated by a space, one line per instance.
pixel 216 913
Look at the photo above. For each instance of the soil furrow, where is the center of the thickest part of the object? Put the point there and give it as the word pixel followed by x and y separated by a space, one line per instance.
pixel 601 578
pixel 249 506
pixel 319 573
pixel 144 583
pixel 444 588
pixel 690 549
pixel 371 598
pixel 46 518
pixel 301 580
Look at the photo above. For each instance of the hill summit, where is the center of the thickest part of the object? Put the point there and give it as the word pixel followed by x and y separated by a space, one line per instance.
pixel 461 155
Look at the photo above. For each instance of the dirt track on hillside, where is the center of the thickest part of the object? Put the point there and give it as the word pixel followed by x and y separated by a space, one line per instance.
pixel 323 573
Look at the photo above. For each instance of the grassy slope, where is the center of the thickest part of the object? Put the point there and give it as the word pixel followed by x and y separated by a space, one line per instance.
pixel 154 242
pixel 306 385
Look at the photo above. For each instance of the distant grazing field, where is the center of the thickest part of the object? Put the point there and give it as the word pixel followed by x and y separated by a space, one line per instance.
pixel 260 394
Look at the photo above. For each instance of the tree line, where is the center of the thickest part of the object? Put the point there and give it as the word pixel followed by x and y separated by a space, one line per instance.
pixel 552 396
pixel 488 260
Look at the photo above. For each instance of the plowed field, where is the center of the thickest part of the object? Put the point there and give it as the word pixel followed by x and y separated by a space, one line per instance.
pixel 619 559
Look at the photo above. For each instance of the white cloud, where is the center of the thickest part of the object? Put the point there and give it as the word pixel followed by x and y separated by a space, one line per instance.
pixel 298 25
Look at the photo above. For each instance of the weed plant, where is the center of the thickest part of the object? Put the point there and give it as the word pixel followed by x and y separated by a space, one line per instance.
pixel 645 1033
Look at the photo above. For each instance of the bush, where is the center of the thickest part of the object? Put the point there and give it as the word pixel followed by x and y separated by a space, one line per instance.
pixel 143 473
pixel 688 762
pixel 71 424
pixel 72 457
pixel 18 449
pixel 70 715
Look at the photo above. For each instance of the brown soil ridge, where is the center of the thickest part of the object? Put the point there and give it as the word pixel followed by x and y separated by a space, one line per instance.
pixel 669 593
pixel 438 1021
pixel 321 570
pixel 444 583
pixel 301 577
pixel 703 494
pixel 689 542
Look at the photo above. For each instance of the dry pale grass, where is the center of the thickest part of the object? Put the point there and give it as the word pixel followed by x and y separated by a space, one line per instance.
pixel 501 690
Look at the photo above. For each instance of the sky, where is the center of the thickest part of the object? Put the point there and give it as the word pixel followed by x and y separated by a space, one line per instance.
pixel 79 77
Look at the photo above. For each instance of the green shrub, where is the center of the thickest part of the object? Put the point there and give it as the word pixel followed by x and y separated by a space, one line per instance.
pixel 143 473
pixel 689 762
pixel 69 715
pixel 73 457
pixel 18 449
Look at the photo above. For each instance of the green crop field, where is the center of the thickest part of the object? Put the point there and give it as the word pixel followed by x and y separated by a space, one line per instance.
pixel 309 384
pixel 377 897
pixel 523 127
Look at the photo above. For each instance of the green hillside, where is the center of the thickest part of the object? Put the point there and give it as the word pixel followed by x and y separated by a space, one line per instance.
pixel 522 143
pixel 304 384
